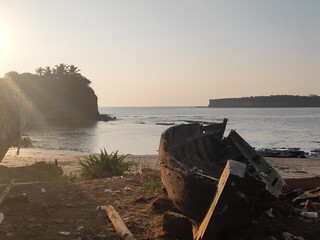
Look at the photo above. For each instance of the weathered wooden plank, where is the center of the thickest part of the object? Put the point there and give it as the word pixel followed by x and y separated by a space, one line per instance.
pixel 236 197
pixel 263 171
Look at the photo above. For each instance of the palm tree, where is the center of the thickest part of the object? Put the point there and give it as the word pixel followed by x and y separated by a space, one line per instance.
pixel 60 69
pixel 47 71
pixel 40 71
pixel 73 70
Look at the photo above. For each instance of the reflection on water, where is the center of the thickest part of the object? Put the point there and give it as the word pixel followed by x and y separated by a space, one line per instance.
pixel 136 131
pixel 78 137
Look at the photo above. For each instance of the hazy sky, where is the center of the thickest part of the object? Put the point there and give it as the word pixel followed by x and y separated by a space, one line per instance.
pixel 168 52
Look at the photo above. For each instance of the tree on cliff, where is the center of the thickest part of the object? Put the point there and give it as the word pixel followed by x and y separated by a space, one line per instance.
pixel 73 70
pixel 60 69
pixel 40 71
pixel 11 75
pixel 47 71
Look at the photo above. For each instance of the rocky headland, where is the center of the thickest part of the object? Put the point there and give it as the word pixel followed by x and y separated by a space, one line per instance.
pixel 273 101
pixel 60 94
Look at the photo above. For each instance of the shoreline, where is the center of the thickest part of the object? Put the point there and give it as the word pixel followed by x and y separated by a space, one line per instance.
pixel 68 160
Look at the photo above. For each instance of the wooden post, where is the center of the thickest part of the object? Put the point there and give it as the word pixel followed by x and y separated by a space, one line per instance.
pixel 6 191
pixel 118 223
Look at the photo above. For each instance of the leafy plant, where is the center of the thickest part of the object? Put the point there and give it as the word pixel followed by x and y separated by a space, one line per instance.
pixel 104 165
pixel 39 171
pixel 152 185
pixel 45 170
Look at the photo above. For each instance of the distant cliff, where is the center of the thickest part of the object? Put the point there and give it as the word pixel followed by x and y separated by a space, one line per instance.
pixel 274 101
pixel 54 96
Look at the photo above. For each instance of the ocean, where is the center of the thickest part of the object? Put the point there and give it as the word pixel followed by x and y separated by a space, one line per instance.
pixel 138 129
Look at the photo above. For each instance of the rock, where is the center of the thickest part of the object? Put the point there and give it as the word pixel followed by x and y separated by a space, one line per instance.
pixel 285 153
pixel 64 233
pixel 268 152
pixel 271 238
pixel 177 225
pixel 287 236
pixel 299 238
pixel 106 118
pixel 161 204
pixel 59 221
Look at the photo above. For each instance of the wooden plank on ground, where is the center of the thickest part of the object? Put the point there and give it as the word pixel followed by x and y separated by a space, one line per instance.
pixel 6 191
pixel 118 223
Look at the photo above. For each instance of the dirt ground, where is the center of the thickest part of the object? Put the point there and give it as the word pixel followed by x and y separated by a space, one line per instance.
pixel 66 208
pixel 62 210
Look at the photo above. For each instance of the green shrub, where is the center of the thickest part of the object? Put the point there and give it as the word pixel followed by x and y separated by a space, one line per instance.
pixel 152 185
pixel 39 171
pixel 104 165
pixel 44 170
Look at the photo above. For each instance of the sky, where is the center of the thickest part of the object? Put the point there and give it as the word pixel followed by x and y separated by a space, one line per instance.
pixel 168 52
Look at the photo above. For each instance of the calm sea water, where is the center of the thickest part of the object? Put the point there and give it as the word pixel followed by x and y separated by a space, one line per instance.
pixel 136 130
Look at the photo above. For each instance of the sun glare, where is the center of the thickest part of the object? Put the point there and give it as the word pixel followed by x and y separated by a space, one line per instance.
pixel 3 41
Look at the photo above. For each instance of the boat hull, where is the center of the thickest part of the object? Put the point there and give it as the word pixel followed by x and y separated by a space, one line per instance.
pixel 189 191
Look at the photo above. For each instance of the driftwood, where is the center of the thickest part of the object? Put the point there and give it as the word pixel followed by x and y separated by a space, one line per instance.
pixel 6 191
pixel 118 223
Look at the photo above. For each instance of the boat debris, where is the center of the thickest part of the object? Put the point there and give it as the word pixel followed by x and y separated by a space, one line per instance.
pixel 219 182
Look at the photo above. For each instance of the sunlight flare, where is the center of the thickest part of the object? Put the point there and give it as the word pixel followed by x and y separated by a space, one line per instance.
pixel 3 41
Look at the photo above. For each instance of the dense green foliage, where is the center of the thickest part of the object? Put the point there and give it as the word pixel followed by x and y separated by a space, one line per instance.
pixel 104 165
pixel 56 94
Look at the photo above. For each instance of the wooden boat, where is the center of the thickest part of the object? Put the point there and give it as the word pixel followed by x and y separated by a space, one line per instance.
pixel 193 156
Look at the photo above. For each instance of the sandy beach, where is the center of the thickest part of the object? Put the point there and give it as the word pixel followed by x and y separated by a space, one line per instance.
pixel 68 160
pixel 51 209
